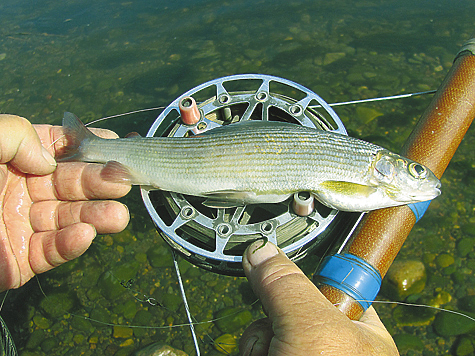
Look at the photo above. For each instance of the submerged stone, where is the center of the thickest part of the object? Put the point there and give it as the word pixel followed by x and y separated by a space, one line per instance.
pixel 413 315
pixel 332 57
pixel 232 319
pixel 58 304
pixel 465 246
pixel 159 349
pixel 366 115
pixel 464 347
pixel 406 342
pixel 403 279
pixel 449 324
pixel 226 344
pixel 444 260
pixel 159 256
pixel 467 303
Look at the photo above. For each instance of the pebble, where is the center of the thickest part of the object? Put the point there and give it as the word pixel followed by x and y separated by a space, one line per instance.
pixel 403 279
pixel 232 319
pixel 449 324
pixel 122 331
pixel 226 344
pixel 444 260
pixel 159 349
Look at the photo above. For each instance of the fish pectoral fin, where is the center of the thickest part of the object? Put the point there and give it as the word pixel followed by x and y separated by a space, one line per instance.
pixel 116 172
pixel 227 198
pixel 347 188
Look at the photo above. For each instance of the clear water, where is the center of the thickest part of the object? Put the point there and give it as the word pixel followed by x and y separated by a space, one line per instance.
pixel 99 58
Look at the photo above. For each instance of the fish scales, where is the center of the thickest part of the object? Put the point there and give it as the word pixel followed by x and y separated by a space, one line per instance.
pixel 260 162
pixel 269 157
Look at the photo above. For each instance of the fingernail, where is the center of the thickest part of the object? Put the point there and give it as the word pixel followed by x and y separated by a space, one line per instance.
pixel 250 345
pixel 261 251
pixel 47 156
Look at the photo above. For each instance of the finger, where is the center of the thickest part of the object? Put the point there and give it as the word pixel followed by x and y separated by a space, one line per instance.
pixel 107 216
pixel 75 181
pixel 21 146
pixel 280 284
pixel 256 338
pixel 54 139
pixel 53 248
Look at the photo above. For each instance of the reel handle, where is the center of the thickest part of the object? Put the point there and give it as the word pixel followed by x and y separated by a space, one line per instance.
pixel 433 142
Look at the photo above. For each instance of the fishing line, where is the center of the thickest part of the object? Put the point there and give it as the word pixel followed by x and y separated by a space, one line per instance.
pixel 383 98
pixel 415 305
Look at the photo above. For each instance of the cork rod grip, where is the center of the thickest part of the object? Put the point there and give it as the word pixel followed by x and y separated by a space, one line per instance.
pixel 433 142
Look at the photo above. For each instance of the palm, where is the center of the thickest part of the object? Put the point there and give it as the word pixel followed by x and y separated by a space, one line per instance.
pixel 47 220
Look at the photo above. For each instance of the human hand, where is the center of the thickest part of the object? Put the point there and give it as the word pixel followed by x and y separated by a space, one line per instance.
pixel 300 320
pixel 46 217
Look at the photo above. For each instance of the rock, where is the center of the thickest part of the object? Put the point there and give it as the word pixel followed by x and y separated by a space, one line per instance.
pixel 467 303
pixel 122 331
pixel 159 256
pixel 58 304
pixel 413 315
pixel 449 324
pixel 333 57
pixel 159 349
pixel 232 319
pixel 406 342
pixel 226 344
pixel 469 228
pixel 366 115
pixel 464 347
pixel 465 246
pixel 403 279
pixel 444 260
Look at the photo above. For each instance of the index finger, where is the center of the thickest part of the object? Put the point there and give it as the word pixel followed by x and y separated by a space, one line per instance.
pixel 54 139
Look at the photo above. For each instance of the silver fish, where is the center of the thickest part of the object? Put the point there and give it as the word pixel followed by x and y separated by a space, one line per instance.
pixel 259 162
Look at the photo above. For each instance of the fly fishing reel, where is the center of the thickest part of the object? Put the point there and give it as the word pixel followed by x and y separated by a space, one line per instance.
pixel 215 238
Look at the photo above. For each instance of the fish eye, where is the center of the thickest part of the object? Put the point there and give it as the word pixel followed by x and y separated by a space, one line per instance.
pixel 417 170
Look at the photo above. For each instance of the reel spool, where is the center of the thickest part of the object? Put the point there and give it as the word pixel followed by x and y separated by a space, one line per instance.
pixel 215 238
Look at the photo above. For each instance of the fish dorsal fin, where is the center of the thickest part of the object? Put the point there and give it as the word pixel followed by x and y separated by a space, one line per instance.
pixel 227 198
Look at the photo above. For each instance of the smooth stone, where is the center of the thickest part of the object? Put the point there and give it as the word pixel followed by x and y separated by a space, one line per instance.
pixel 226 344
pixel 122 332
pixel 159 349
pixel 232 319
pixel 159 256
pixel 81 324
pixel 35 339
pixel 467 303
pixel 403 279
pixel 56 305
pixel 406 342
pixel 110 286
pixel 449 324
pixel 468 228
pixel 48 344
pixel 332 57
pixel 41 322
pixel 464 347
pixel 465 246
pixel 444 260
pixel 413 315
pixel 366 115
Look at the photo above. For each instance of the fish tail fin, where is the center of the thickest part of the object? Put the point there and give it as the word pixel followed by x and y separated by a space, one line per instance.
pixel 76 133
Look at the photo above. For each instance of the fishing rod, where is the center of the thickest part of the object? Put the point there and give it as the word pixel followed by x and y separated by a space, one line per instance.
pixel 352 278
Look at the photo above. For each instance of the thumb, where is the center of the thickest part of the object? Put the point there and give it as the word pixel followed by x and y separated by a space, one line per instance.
pixel 298 312
pixel 278 282
pixel 21 146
